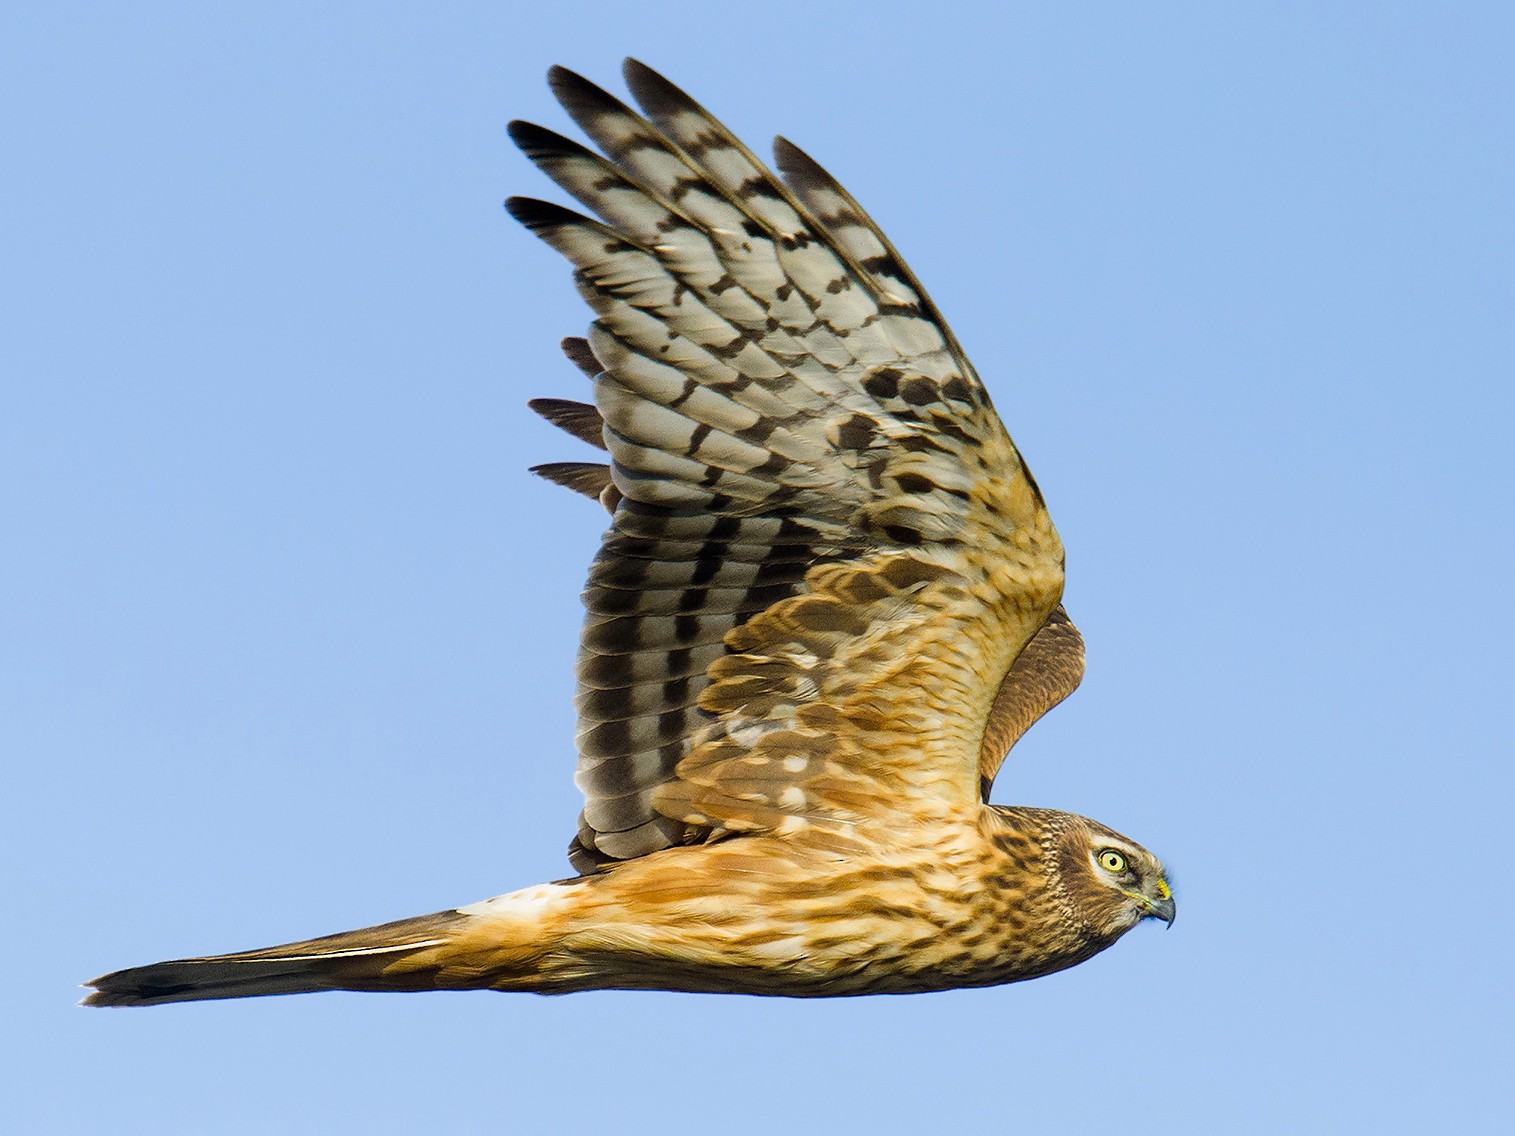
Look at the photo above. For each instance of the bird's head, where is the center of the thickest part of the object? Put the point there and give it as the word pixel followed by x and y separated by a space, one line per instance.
pixel 1115 882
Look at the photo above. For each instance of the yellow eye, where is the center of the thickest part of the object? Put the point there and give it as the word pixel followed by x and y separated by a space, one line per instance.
pixel 1112 861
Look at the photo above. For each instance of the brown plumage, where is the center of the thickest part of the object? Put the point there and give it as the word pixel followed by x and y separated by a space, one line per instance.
pixel 827 606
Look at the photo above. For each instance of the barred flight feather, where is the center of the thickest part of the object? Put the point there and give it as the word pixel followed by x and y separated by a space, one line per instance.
pixel 825 554
pixel 577 418
pixel 587 478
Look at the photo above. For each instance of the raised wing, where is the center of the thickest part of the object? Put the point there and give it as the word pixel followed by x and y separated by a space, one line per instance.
pixel 827 553
pixel 1048 670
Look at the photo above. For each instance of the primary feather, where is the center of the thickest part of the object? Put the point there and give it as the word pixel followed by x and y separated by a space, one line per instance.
pixel 777 395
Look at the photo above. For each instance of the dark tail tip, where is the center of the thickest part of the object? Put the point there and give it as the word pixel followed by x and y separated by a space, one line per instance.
pixel 374 958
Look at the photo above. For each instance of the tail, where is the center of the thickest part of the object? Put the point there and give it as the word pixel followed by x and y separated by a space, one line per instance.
pixel 411 954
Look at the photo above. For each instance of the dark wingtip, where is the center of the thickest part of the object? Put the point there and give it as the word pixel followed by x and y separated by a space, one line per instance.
pixel 586 478
pixel 782 148
pixel 536 214
pixel 578 96
pixel 539 143
pixel 651 89
pixel 560 76
pixel 581 355
pixel 524 133
pixel 579 419
pixel 794 162
pixel 633 70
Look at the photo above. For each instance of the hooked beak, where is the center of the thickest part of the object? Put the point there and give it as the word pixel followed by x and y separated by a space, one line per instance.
pixel 1162 907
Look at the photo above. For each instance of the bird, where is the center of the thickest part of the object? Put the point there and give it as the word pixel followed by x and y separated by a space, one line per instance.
pixel 828 603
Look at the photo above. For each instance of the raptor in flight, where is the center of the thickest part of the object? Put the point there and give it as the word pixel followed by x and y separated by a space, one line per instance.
pixel 826 607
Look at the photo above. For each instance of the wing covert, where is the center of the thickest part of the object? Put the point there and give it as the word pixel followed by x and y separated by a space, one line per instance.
pixel 825 552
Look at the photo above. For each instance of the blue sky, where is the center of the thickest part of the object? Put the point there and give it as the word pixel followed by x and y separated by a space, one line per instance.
pixel 288 630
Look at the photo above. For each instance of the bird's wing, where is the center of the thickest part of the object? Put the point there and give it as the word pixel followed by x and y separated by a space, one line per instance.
pixel 1048 670
pixel 826 554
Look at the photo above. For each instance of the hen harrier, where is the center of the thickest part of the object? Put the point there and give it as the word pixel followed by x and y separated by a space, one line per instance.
pixel 826 607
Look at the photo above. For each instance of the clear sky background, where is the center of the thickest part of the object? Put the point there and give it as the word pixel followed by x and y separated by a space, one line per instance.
pixel 286 630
